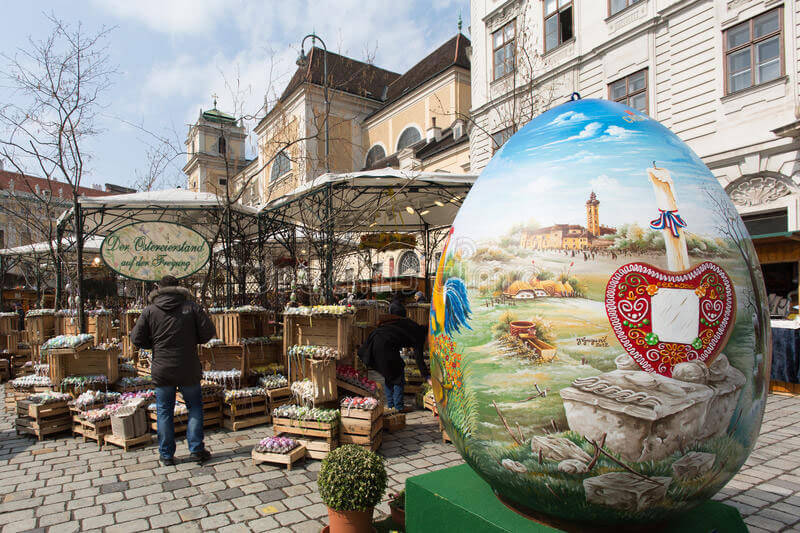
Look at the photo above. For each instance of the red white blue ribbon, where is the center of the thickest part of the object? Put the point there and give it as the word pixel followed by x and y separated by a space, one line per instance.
pixel 668 219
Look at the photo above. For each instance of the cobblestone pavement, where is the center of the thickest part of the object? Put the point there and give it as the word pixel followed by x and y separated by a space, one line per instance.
pixel 66 485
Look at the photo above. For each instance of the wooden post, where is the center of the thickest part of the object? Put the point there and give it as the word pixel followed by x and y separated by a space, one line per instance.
pixel 677 252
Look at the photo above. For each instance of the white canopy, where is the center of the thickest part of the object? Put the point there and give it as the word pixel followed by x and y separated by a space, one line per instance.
pixel 379 200
pixel 166 198
pixel 90 245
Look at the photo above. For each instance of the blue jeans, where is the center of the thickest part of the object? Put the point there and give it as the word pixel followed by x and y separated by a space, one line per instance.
pixel 394 394
pixel 165 405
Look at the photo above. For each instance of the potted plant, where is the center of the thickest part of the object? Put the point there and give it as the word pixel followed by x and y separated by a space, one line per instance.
pixel 351 482
pixel 397 505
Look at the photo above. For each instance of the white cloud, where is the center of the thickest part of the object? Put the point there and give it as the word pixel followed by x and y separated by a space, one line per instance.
pixel 619 133
pixel 170 16
pixel 542 184
pixel 603 183
pixel 567 117
pixel 588 131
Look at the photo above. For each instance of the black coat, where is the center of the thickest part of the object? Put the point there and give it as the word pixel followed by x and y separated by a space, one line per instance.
pixel 172 326
pixel 381 351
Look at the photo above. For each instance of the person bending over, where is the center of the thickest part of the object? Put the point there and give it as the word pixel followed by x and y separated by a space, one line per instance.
pixel 172 326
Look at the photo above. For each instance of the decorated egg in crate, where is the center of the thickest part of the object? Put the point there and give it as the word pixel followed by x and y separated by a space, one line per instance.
pixel 599 335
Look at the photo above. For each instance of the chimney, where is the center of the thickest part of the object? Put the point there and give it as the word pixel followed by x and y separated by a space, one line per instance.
pixel 434 133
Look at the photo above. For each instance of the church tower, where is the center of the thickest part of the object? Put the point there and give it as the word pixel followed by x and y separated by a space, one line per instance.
pixel 213 139
pixel 593 215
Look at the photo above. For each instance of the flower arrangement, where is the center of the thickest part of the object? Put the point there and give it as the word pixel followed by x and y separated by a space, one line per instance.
pixel 271 368
pixel 111 345
pixel 248 309
pixel 231 377
pixel 358 402
pixel 303 390
pixel 41 370
pixel 352 479
pixel 214 342
pixel 83 382
pixel 299 412
pixel 313 352
pixel 134 311
pixel 8 315
pixel 138 381
pixel 315 310
pixel 98 415
pixel 273 381
pixel 260 340
pixel 398 500
pixel 67 312
pixel 126 367
pixel 276 445
pixel 210 389
pixel 179 410
pixel 27 382
pixel 40 312
pixel 42 398
pixel 98 312
pixel 248 392
pixel 130 396
pixel 216 310
pixel 67 341
pixel 351 375
pixel 91 397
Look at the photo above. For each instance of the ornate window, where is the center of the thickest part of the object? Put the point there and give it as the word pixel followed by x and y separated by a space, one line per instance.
pixel 409 136
pixel 375 154
pixel 280 166
pixel 503 49
pixel 558 23
pixel 760 189
pixel 631 91
pixel 409 264
pixel 753 51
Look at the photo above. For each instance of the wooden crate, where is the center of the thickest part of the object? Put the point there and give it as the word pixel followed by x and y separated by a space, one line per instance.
pixel 287 459
pixel 5 369
pixel 335 331
pixel 244 325
pixel 394 422
pixel 362 427
pixel 445 437
pixel 40 328
pixel 9 324
pixel 419 313
pixel 91 430
pixel 256 355
pixel 354 390
pixel 223 357
pixel 128 321
pixel 430 404
pixel 318 448
pixel 100 327
pixel 9 341
pixel 278 397
pixel 306 428
pixel 125 444
pixel 783 387
pixel 241 413
pixel 128 349
pixel 33 410
pixel 178 421
pixel 218 319
pixel 84 361
pixel 66 325
pixel 212 410
pixel 43 427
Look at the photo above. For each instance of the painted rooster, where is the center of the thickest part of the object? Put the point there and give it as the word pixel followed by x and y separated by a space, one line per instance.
pixel 450 302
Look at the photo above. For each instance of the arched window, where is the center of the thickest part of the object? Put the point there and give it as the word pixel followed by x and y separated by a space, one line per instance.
pixel 409 264
pixel 221 145
pixel 409 136
pixel 375 154
pixel 280 166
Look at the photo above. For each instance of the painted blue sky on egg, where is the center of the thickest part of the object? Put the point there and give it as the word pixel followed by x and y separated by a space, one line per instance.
pixel 547 170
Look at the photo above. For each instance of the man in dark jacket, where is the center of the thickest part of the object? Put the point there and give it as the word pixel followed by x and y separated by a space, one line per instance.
pixel 381 352
pixel 172 326
pixel 396 306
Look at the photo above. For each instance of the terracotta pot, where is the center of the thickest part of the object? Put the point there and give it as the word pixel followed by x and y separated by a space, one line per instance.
pixel 350 521
pixel 399 516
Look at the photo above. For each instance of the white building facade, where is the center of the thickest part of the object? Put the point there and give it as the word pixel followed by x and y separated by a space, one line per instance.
pixel 724 75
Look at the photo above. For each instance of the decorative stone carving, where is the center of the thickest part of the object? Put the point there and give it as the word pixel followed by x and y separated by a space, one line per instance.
pixel 625 491
pixel 758 190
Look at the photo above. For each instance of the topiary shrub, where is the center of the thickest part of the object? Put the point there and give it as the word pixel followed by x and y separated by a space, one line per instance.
pixel 352 479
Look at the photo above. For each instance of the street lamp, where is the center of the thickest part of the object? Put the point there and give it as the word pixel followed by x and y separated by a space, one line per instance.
pixel 302 61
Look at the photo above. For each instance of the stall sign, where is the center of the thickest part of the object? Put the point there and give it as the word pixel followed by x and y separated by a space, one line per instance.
pixel 148 251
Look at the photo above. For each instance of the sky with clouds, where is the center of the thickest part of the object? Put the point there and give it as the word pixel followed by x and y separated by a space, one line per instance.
pixel 172 55
pixel 548 169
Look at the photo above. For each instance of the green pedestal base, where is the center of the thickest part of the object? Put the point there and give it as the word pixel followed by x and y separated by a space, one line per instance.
pixel 457 500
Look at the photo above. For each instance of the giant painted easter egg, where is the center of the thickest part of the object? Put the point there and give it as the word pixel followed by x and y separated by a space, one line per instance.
pixel 599 342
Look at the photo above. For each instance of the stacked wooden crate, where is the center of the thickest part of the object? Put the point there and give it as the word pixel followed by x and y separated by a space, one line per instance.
pixel 319 330
pixel 90 429
pixel 419 313
pixel 393 420
pixel 42 420
pixel 39 328
pixel 180 418
pixel 129 428
pixel 129 319
pixel 99 325
pixel 222 357
pixel 244 412
pixel 13 395
pixel 239 325
pixel 83 360
pixel 361 426
pixel 319 438
pixel 5 369
pixel 212 403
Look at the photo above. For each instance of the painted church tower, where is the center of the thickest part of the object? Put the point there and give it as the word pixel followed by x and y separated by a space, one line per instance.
pixel 593 215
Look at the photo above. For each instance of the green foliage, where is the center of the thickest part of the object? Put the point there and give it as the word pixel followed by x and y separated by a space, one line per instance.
pixel 543 328
pixel 503 324
pixel 398 500
pixel 633 238
pixel 543 275
pixel 352 479
pixel 578 286
pixel 490 254
pixel 454 267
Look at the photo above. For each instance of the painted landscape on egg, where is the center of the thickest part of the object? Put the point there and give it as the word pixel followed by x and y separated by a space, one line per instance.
pixel 598 338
